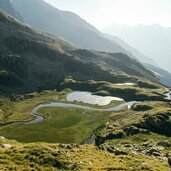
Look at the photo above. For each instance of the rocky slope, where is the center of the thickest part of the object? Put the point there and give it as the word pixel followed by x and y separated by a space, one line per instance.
pixel 42 156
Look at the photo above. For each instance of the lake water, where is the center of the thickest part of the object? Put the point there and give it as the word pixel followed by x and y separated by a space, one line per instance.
pixel 88 97
pixel 125 84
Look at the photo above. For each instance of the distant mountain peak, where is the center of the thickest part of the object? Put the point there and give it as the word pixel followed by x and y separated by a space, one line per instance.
pixel 152 40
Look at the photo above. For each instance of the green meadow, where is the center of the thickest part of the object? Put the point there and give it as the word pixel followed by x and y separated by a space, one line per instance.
pixel 62 125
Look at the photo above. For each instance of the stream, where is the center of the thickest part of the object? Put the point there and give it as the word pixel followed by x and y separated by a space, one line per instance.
pixel 40 118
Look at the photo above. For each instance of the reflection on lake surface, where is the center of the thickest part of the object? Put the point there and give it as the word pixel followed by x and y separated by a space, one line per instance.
pixel 88 97
pixel 123 84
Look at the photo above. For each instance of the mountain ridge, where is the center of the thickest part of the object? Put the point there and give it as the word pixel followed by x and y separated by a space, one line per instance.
pixel 164 76
pixel 81 34
pixel 22 49
pixel 153 40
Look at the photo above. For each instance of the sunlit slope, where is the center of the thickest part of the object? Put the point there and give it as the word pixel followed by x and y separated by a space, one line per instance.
pixel 32 61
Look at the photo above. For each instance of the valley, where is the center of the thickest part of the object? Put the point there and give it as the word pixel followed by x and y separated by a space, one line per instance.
pixel 73 124
pixel 53 113
pixel 73 98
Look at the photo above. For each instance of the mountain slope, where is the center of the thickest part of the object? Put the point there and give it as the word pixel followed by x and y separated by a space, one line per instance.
pixel 67 25
pixel 72 28
pixel 31 61
pixel 152 40
pixel 7 6
pixel 44 156
pixel 130 50
pixel 117 62
pixel 164 76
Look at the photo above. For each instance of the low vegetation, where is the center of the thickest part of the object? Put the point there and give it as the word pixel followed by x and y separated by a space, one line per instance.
pixel 135 139
pixel 20 109
pixel 128 93
pixel 43 156
pixel 61 125
pixel 126 140
pixel 153 117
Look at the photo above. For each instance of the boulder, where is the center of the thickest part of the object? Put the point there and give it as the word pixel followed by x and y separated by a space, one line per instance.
pixel 139 107
pixel 158 123
pixel 131 130
pixel 116 135
pixel 168 154
pixel 112 149
pixel 99 140
pixel 154 152
pixel 128 145
pixel 110 127
pixel 146 144
pixel 164 144
pixel 6 146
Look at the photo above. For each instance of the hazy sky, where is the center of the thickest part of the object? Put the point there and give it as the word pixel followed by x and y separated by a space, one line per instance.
pixel 102 13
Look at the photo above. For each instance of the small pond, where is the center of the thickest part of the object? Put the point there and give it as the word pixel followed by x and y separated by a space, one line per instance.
pixel 125 84
pixel 88 97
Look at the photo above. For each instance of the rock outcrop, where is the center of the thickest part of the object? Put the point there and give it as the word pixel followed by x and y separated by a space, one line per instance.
pixel 112 149
pixel 158 123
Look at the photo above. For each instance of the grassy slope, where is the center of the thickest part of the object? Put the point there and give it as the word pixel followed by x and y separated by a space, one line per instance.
pixel 61 125
pixel 59 121
pixel 134 117
pixel 20 110
pixel 42 156
pixel 69 125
